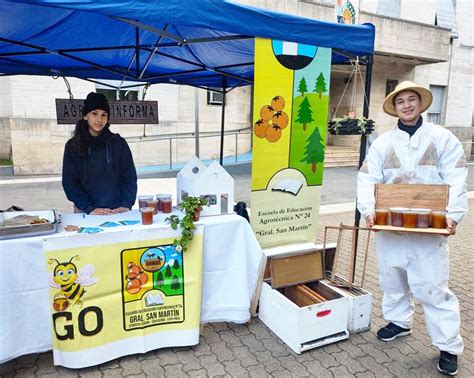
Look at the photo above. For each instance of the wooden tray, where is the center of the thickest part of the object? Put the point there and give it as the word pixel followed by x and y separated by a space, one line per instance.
pixel 433 231
pixel 434 197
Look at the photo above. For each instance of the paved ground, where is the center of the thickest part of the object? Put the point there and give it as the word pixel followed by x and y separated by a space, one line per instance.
pixel 227 349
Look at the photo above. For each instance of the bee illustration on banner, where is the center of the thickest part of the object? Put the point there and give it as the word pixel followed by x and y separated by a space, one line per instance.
pixel 70 282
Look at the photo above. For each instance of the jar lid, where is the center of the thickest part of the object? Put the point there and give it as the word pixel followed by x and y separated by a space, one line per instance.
pixel 145 197
pixel 422 211
pixel 147 209
pixel 399 209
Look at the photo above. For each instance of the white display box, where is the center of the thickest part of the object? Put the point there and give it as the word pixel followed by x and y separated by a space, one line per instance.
pixel 301 327
pixel 360 307
pixel 212 182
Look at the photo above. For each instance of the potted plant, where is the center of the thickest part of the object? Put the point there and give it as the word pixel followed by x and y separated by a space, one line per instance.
pixel 349 125
pixel 191 206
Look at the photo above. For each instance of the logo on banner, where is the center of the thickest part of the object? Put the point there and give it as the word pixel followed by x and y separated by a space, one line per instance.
pixel 292 55
pixel 153 286
pixel 70 281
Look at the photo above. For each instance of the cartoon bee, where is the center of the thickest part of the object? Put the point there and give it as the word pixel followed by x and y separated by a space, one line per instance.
pixel 70 282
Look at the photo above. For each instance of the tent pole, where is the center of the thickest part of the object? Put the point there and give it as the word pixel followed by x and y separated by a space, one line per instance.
pixel 224 85
pixel 363 145
pixel 363 139
pixel 196 121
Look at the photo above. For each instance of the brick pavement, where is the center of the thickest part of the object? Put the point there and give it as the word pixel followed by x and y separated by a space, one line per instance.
pixel 251 350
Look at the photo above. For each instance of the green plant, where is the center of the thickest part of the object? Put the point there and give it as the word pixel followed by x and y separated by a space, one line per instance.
pixel 190 206
pixel 348 125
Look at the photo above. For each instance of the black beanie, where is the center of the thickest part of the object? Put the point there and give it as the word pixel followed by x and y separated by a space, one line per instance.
pixel 95 101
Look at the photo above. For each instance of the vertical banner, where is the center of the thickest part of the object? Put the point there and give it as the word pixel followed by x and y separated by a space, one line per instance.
pixel 346 11
pixel 121 293
pixel 291 96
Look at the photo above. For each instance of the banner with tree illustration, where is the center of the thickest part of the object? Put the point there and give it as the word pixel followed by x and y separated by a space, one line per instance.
pixel 119 293
pixel 291 97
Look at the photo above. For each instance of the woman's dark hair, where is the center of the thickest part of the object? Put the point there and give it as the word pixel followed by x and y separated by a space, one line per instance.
pixel 77 139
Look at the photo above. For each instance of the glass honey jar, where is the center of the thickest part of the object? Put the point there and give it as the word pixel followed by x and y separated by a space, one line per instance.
pixel 423 218
pixel 438 219
pixel 396 216
pixel 409 218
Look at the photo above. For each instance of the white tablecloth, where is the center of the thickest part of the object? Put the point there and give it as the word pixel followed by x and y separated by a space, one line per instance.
pixel 232 258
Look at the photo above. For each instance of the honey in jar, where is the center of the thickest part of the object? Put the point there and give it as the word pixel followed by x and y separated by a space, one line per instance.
pixel 147 215
pixel 160 197
pixel 142 200
pixel 166 205
pixel 438 219
pixel 423 218
pixel 381 217
pixel 409 219
pixel 396 216
pixel 154 204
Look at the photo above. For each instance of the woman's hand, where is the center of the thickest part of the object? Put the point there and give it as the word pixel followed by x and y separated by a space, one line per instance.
pixel 119 210
pixel 101 211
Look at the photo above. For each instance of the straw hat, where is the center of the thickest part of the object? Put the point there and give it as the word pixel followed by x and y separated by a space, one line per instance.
pixel 425 94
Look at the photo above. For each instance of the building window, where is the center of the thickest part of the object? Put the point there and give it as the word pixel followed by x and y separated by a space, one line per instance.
pixel 111 94
pixel 390 86
pixel 214 97
pixel 435 110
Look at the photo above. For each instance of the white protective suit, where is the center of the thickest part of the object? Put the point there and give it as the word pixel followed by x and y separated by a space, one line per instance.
pixel 415 264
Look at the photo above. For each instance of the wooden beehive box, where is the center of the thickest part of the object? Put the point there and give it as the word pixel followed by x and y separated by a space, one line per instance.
pixel 293 303
pixel 434 197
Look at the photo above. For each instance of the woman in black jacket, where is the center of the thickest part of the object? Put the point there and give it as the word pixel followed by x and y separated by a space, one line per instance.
pixel 99 175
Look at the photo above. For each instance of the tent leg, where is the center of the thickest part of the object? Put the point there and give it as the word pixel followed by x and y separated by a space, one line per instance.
pixel 224 85
pixel 363 147
pixel 363 139
pixel 196 121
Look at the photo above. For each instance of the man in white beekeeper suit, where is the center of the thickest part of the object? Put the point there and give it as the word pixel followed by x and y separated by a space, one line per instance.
pixel 416 265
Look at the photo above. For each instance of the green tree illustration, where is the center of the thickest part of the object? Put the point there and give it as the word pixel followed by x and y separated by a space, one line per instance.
pixel 320 86
pixel 176 264
pixel 302 88
pixel 159 279
pixel 175 285
pixel 168 271
pixel 314 150
pixel 305 113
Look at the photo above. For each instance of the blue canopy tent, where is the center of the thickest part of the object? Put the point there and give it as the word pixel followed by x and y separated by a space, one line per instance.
pixel 190 42
pixel 202 43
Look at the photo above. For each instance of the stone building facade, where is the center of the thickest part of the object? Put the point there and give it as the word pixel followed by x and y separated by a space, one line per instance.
pixel 428 41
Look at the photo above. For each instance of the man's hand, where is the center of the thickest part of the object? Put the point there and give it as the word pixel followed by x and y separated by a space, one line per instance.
pixel 451 226
pixel 120 210
pixel 100 211
pixel 370 220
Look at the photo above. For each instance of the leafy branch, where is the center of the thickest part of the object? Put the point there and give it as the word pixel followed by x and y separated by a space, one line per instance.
pixel 191 207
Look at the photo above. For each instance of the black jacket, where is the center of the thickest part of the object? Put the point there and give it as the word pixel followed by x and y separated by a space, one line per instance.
pixel 104 176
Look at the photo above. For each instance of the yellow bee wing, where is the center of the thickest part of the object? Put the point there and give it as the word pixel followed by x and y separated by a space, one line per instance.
pixel 85 275
pixel 51 281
